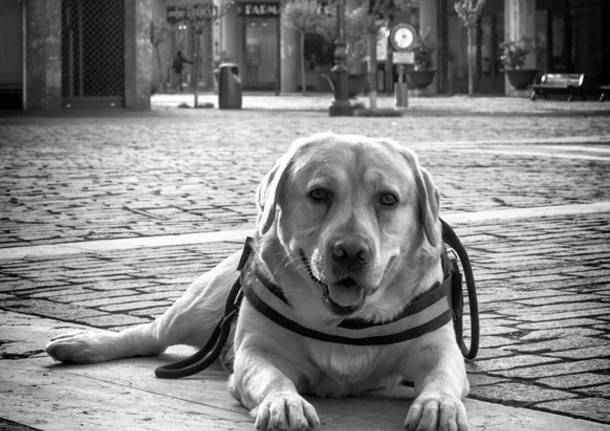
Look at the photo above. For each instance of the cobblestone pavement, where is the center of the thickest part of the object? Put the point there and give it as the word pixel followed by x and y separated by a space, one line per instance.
pixel 543 281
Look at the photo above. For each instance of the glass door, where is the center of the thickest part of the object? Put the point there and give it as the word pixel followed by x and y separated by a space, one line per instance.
pixel 261 53
pixel 491 78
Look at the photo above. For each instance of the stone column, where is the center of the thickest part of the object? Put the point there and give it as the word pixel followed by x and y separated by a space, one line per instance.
pixel 43 55
pixel 428 21
pixel 289 51
pixel 230 36
pixel 520 21
pixel 138 54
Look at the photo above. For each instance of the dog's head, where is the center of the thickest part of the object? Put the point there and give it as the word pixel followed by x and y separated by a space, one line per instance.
pixel 356 217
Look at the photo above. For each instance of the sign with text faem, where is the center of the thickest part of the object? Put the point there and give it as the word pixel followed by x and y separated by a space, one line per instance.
pixel 258 9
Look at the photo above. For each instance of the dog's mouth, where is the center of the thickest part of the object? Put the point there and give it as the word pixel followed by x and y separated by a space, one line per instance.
pixel 343 297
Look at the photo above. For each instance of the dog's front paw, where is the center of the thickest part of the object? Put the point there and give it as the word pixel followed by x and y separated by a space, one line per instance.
pixel 285 412
pixel 77 348
pixel 440 412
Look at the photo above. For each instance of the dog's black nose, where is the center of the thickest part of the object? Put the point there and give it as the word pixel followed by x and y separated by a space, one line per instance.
pixel 351 253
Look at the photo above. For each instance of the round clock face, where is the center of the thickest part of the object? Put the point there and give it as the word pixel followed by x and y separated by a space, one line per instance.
pixel 402 37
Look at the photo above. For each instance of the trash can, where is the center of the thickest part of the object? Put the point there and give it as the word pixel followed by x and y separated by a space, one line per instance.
pixel 229 86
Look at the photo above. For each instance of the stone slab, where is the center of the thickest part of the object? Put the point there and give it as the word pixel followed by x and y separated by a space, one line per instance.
pixel 36 392
pixel 238 235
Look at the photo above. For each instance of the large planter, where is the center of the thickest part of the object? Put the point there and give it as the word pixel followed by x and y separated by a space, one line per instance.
pixel 420 79
pixel 521 78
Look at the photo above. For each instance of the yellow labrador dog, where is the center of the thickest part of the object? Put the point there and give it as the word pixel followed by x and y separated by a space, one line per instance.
pixel 348 231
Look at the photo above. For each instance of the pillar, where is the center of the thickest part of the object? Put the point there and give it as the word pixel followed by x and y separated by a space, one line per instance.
pixel 289 52
pixel 230 36
pixel 43 55
pixel 138 54
pixel 428 21
pixel 520 21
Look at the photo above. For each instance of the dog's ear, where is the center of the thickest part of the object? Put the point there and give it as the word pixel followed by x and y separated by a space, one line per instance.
pixel 268 193
pixel 429 200
pixel 428 196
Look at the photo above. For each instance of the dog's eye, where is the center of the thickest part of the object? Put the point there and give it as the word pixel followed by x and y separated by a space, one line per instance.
pixel 319 194
pixel 388 199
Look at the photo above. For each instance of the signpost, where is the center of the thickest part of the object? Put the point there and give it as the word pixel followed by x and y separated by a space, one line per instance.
pixel 402 39
pixel 199 17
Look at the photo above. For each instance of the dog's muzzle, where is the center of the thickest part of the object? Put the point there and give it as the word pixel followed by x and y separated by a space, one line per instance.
pixel 343 297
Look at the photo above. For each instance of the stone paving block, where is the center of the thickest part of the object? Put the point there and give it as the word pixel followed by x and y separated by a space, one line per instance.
pixel 58 292
pixel 491 353
pixel 507 363
pixel 149 312
pixel 77 297
pixel 558 299
pixel 495 341
pixel 602 391
pixel 558 344
pixel 550 315
pixel 560 332
pixel 583 353
pixel 595 407
pixel 103 299
pixel 572 381
pixel 110 321
pixel 556 369
pixel 42 307
pixel 483 379
pixel 519 393
pixel 551 324
pixel 134 305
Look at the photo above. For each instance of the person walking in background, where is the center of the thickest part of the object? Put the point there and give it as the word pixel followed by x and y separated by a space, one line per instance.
pixel 178 66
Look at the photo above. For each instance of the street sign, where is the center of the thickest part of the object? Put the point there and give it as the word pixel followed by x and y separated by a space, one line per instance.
pixel 401 57
pixel 198 12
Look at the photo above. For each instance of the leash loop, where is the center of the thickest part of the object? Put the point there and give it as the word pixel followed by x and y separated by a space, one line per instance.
pixel 457 295
pixel 213 347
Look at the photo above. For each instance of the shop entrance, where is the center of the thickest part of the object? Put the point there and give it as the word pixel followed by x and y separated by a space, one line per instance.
pixel 491 34
pixel 93 47
pixel 11 88
pixel 261 53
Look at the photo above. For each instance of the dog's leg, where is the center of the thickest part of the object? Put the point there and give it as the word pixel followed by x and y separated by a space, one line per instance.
pixel 190 320
pixel 265 381
pixel 269 393
pixel 440 384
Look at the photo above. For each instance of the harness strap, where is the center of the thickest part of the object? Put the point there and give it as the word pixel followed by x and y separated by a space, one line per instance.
pixel 452 284
pixel 427 313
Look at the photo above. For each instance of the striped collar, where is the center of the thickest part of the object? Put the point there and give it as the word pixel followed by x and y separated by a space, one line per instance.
pixel 428 312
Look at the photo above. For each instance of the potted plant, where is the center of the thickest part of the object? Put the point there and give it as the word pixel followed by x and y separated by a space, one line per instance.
pixel 513 57
pixel 423 71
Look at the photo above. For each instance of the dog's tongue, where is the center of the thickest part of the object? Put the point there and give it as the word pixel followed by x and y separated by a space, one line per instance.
pixel 346 293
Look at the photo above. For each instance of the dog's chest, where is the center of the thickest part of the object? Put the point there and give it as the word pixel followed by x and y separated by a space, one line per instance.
pixel 348 369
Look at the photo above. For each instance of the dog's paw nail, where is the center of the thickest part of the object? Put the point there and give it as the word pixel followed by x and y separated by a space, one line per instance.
pixel 286 412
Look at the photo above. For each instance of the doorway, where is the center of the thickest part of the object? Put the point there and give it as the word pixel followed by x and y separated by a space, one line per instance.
pixel 93 47
pixel 490 35
pixel 11 59
pixel 261 53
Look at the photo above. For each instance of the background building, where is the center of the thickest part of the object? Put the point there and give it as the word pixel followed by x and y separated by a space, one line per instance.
pixel 72 53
